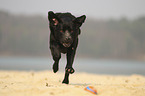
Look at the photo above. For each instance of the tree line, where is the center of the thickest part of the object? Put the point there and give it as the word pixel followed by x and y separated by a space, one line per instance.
pixel 29 35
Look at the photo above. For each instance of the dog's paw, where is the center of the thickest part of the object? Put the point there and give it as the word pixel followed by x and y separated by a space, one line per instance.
pixel 65 81
pixel 55 68
pixel 69 70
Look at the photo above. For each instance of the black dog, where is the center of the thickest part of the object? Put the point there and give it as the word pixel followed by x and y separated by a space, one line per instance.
pixel 65 29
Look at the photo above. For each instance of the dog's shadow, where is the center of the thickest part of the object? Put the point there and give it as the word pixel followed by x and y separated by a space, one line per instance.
pixel 80 84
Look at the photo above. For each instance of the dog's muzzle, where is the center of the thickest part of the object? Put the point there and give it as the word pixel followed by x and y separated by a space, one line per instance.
pixel 67 40
pixel 66 44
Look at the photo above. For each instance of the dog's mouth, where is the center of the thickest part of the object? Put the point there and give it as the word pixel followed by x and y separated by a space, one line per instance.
pixel 66 44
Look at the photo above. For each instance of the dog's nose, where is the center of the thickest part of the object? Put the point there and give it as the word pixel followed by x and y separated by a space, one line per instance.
pixel 67 35
pixel 68 38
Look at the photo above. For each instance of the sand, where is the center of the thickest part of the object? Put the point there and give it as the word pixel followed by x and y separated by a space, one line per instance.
pixel 46 83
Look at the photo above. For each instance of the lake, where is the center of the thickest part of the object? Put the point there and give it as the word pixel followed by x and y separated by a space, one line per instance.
pixel 111 67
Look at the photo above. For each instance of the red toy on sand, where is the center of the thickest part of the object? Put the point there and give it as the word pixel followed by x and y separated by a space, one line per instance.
pixel 91 89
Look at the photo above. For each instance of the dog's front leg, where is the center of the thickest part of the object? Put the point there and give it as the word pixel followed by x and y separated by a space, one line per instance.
pixel 69 69
pixel 56 55
pixel 70 58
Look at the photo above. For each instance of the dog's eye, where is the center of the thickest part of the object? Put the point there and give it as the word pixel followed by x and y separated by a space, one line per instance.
pixel 61 30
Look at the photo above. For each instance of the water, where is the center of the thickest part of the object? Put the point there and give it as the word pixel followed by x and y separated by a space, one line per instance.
pixel 113 67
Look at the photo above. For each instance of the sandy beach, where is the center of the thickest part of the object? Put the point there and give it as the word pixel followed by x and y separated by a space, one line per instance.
pixel 46 83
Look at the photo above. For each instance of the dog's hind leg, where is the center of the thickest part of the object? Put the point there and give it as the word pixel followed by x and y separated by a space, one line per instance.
pixel 56 57
pixel 66 78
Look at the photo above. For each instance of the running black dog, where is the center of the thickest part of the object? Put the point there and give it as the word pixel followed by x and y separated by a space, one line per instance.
pixel 65 29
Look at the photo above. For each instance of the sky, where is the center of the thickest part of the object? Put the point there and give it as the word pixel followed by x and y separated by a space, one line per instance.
pixel 91 8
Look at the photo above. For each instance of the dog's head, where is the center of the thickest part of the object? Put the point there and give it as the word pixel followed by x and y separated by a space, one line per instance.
pixel 65 27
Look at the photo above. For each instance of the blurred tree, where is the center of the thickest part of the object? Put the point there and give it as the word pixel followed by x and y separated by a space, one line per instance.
pixel 29 35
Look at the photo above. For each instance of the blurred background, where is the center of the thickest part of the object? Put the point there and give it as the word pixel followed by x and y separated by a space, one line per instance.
pixel 112 40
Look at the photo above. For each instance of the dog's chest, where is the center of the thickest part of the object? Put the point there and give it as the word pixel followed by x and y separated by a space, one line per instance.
pixel 63 49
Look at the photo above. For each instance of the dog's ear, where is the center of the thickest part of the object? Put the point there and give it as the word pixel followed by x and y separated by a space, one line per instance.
pixel 53 18
pixel 80 20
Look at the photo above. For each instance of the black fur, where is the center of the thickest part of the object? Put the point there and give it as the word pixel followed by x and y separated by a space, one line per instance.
pixel 65 29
